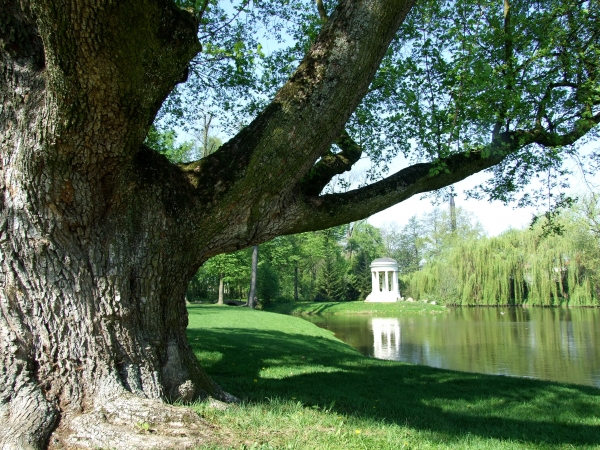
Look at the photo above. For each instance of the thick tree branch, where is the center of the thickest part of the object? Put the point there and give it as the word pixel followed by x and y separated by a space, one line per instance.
pixel 331 165
pixel 257 172
pixel 309 112
pixel 303 210
pixel 200 14
pixel 508 72
pixel 112 63
pixel 336 209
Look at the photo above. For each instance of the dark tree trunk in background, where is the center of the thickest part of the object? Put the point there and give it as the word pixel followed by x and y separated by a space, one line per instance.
pixel 296 283
pixel 253 277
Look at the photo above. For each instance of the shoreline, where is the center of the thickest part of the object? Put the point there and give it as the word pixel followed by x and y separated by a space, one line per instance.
pixel 302 388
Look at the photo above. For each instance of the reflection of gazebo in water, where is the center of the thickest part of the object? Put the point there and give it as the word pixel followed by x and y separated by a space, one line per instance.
pixel 386 338
pixel 384 277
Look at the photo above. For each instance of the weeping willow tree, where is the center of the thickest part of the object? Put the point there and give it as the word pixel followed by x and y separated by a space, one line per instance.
pixel 516 268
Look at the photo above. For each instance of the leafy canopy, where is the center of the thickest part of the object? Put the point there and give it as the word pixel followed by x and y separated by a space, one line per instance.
pixel 458 74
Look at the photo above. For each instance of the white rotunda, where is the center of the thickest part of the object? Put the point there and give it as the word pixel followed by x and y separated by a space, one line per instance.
pixel 384 277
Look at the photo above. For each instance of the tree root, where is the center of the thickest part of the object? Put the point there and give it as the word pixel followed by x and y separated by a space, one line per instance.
pixel 26 417
pixel 26 421
pixel 130 422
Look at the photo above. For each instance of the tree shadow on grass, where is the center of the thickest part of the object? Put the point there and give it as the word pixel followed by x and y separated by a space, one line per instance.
pixel 445 402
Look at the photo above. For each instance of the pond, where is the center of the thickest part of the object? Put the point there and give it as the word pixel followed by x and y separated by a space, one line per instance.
pixel 555 344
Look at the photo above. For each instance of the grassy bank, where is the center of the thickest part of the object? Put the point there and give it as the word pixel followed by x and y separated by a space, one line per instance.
pixel 376 309
pixel 302 388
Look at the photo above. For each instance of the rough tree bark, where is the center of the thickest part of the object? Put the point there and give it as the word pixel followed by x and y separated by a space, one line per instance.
pixel 99 235
pixel 91 251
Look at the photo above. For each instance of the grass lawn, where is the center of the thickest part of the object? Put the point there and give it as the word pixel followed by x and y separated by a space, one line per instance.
pixel 304 389
pixel 379 309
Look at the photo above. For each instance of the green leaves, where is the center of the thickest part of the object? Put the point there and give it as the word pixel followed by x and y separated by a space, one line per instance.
pixel 461 71
pixel 458 75
pixel 554 262
pixel 164 142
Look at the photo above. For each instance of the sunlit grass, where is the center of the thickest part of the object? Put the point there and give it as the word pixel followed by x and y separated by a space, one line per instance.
pixel 379 309
pixel 304 389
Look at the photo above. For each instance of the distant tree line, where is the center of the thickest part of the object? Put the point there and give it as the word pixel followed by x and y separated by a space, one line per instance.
pixel 443 256
pixel 555 262
pixel 333 264
pixel 329 265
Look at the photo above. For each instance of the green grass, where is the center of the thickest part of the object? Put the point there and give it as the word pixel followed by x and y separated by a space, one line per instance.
pixel 378 309
pixel 304 389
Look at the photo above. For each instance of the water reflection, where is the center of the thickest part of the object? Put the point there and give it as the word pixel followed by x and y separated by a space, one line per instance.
pixel 546 343
pixel 386 338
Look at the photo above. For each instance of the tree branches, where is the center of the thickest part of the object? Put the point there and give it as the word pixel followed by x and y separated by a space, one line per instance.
pixel 308 113
pixel 335 209
pixel 332 164
pixel 322 11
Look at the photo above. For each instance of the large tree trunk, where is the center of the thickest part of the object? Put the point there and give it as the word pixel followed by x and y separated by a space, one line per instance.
pixel 93 275
pixel 92 302
pixel 93 260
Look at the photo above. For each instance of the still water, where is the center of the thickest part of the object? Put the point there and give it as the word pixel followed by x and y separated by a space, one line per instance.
pixel 548 343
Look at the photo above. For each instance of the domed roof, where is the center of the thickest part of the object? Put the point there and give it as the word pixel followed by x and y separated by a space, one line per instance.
pixel 385 263
pixel 385 260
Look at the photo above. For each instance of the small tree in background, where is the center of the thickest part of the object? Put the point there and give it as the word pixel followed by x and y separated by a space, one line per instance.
pixel 330 282
pixel 221 277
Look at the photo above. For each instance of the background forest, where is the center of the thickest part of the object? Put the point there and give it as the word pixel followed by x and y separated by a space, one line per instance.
pixel 443 256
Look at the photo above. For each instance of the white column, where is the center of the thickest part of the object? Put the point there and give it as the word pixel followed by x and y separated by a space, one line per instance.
pixel 395 281
pixel 387 283
pixel 374 282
